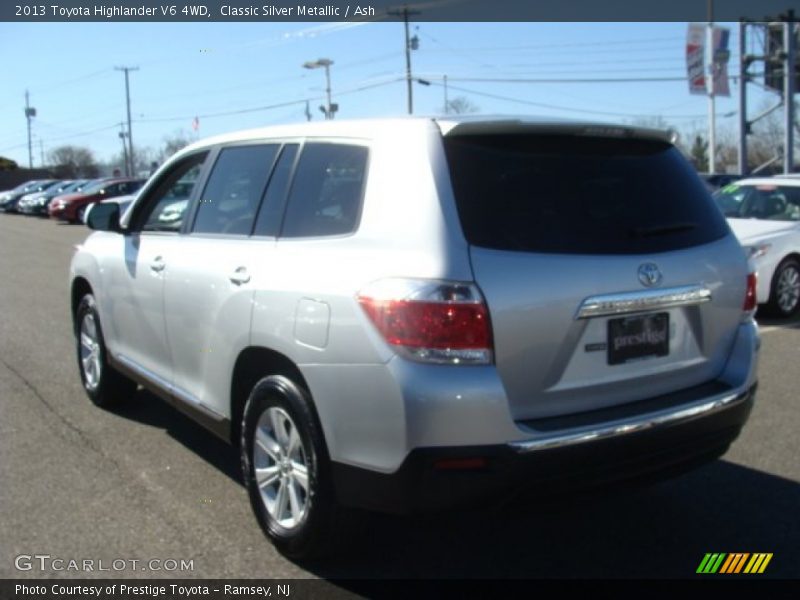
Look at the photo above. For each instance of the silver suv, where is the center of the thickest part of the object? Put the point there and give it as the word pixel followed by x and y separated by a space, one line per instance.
pixel 409 314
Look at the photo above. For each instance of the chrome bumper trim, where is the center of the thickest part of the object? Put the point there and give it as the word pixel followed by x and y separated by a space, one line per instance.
pixel 635 425
pixel 629 302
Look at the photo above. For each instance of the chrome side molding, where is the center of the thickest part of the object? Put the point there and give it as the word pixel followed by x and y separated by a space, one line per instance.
pixel 630 302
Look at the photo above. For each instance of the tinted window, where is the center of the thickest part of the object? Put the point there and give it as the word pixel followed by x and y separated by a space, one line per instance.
pixel 165 207
pixel 325 198
pixel 574 195
pixel 268 221
pixel 234 189
pixel 770 202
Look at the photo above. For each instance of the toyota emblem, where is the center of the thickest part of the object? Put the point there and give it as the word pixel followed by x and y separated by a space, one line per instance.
pixel 649 274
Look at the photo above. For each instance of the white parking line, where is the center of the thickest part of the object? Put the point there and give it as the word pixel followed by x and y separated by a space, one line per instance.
pixel 770 328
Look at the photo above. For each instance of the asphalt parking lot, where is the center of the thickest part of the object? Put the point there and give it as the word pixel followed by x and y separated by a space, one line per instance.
pixel 145 483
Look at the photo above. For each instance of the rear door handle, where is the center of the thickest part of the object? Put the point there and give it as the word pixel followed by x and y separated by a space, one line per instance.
pixel 239 276
pixel 158 264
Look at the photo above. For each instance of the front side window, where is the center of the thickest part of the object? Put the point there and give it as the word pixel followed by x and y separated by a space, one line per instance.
pixel 165 207
pixel 326 193
pixel 230 200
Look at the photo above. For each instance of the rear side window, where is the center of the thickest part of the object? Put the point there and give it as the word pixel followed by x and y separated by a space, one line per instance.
pixel 326 193
pixel 579 195
pixel 234 189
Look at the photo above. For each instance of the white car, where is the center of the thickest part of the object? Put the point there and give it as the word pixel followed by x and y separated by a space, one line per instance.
pixel 764 213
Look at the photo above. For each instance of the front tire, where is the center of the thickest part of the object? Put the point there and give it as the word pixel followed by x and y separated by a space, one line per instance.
pixel 103 384
pixel 785 293
pixel 286 469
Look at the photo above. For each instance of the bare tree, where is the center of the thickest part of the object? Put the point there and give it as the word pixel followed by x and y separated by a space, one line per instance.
pixel 172 143
pixel 767 139
pixel 73 161
pixel 698 153
pixel 460 106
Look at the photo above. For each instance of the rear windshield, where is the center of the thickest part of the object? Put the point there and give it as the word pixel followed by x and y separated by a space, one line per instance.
pixel 579 195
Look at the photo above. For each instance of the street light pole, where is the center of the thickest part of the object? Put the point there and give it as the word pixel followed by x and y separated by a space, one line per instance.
pixel 330 109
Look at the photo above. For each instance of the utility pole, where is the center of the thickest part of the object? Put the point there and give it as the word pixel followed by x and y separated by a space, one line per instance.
pixel 128 102
pixel 789 75
pixel 30 112
pixel 122 136
pixel 405 13
pixel 744 64
pixel 41 151
pixel 712 126
pixel 446 101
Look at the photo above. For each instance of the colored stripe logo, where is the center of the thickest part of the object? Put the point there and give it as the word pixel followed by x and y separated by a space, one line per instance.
pixel 734 562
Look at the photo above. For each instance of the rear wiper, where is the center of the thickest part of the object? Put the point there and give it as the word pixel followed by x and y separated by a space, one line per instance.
pixel 642 232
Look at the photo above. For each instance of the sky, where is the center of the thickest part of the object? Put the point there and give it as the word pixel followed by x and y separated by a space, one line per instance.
pixel 240 75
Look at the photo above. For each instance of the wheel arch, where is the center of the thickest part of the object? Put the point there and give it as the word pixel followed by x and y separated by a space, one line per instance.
pixel 80 287
pixel 252 364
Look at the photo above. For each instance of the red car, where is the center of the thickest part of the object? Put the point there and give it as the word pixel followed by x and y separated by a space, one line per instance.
pixel 70 207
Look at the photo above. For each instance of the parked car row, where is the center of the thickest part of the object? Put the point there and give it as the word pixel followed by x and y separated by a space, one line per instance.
pixel 66 200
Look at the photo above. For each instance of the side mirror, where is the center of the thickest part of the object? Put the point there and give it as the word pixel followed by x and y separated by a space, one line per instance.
pixel 104 217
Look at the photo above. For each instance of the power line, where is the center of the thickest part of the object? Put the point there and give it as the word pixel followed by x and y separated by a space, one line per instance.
pixel 218 114
pixel 568 45
pixel 253 109
pixel 562 107
pixel 65 137
pixel 573 80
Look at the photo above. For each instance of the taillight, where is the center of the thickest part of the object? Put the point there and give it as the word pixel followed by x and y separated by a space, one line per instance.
pixel 750 300
pixel 431 321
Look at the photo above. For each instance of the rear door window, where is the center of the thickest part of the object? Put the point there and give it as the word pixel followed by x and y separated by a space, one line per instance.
pixel 327 190
pixel 573 194
pixel 268 222
pixel 233 193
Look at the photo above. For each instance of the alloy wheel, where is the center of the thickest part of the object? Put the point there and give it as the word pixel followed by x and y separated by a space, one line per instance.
pixel 281 468
pixel 90 352
pixel 788 289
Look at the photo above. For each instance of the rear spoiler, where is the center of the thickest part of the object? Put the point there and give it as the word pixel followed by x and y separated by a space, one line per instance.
pixel 543 127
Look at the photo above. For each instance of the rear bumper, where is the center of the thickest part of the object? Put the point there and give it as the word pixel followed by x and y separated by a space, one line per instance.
pixel 674 436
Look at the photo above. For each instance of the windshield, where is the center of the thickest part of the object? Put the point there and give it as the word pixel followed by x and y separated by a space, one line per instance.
pixel 94 188
pixel 27 186
pixel 769 202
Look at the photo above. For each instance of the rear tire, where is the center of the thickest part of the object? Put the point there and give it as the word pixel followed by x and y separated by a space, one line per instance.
pixel 104 385
pixel 784 298
pixel 286 469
